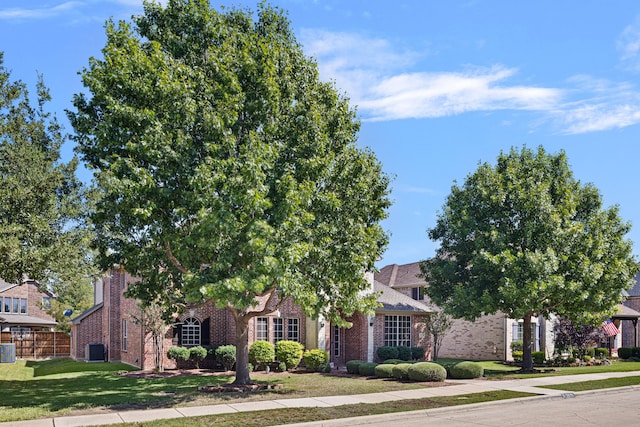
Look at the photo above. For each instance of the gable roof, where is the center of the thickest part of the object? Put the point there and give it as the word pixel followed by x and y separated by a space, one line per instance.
pixel 635 289
pixel 5 286
pixel 76 320
pixel 393 300
pixel 401 276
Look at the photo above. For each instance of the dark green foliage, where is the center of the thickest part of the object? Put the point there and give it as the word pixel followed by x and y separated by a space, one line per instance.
pixel 427 371
pixel 289 353
pixel 384 371
pixel 197 354
pixel 353 366
pixel 538 357
pixel 629 352
pixel 261 353
pixel 516 345
pixel 417 353
pixel 601 353
pixel 367 369
pixel 404 353
pixel 401 371
pixel 226 355
pixel 315 360
pixel 282 367
pixel 466 370
pixel 385 352
pixel 178 353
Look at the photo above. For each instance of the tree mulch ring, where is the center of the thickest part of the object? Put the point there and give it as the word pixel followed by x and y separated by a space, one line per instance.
pixel 238 388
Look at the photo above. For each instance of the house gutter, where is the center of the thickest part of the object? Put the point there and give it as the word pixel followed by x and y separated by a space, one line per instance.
pixel 504 356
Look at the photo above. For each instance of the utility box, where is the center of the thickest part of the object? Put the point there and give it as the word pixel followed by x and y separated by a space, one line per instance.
pixel 8 353
pixel 94 353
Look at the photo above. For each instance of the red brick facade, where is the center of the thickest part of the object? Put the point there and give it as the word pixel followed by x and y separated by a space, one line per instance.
pixel 34 294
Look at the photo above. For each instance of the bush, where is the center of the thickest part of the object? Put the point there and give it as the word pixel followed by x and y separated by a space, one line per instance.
pixel 417 353
pixel 353 366
pixel 226 355
pixel 401 371
pixel 367 369
pixel 623 352
pixel 587 358
pixel 404 353
pixel 517 356
pixel 384 371
pixel 427 371
pixel 516 346
pixel 538 357
pixel 385 352
pixel 394 361
pixel 178 353
pixel 601 353
pixel 261 353
pixel 316 359
pixel 289 353
pixel 197 354
pixel 466 371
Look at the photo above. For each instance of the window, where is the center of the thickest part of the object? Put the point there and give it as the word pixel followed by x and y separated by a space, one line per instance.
pixel 278 329
pixel 124 335
pixel 16 305
pixel 336 341
pixel 518 334
pixel 293 330
pixel 397 330
pixel 23 306
pixel 1 304
pixel 418 293
pixel 262 329
pixel 7 305
pixel 191 332
pixel 46 303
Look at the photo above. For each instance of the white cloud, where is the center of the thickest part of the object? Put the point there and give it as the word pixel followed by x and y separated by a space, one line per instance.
pixel 38 13
pixel 629 45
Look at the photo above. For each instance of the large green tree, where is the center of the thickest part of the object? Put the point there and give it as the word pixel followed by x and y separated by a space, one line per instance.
pixel 230 173
pixel 43 233
pixel 526 238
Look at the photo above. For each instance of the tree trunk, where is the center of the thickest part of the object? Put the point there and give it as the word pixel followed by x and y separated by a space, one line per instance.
pixel 527 359
pixel 242 350
pixel 436 347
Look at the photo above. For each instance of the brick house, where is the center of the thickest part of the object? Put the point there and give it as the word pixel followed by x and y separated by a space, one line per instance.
pixel 23 307
pixel 110 323
pixel 628 316
pixel 487 338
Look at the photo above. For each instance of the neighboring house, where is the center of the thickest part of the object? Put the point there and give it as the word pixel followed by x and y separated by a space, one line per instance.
pixel 630 321
pixel 398 321
pixel 487 338
pixel 23 307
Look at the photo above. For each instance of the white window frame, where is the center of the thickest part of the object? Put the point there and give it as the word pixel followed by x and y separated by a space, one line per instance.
pixel 124 335
pixel 397 330
pixel 262 329
pixel 191 332
pixel 278 329
pixel 293 329
pixel 336 341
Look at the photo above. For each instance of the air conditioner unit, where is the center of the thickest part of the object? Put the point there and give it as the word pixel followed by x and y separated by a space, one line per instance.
pixel 94 353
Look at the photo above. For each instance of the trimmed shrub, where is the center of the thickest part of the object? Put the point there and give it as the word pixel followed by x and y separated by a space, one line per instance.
pixel 289 353
pixel 384 371
pixel 385 352
pixel 517 356
pixel 417 353
pixel 427 371
pixel 394 361
pixel 538 357
pixel 623 352
pixel 261 353
pixel 282 367
pixel 315 359
pixel 367 369
pixel 404 353
pixel 466 371
pixel 516 345
pixel 601 353
pixel 226 355
pixel 586 358
pixel 401 371
pixel 178 353
pixel 197 354
pixel 353 366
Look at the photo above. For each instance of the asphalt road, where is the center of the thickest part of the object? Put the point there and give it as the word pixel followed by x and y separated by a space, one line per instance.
pixel 615 407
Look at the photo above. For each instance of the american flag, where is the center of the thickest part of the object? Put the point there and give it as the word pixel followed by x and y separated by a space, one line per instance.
pixel 610 328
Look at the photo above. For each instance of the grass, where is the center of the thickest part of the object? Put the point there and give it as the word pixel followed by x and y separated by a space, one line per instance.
pixel 300 415
pixel 596 384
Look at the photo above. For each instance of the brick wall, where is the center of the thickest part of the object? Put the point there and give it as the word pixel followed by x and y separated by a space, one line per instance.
pixel 88 332
pixel 482 339
pixel 629 339
pixel 34 296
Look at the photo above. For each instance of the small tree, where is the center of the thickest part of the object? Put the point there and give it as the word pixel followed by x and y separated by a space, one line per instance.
pixel 437 324
pixel 226 355
pixel 197 354
pixel 576 335
pixel 153 323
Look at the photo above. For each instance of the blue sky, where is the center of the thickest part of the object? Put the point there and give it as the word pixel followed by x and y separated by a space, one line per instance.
pixel 440 86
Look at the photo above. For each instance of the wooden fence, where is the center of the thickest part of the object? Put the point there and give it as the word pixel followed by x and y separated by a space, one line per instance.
pixel 38 345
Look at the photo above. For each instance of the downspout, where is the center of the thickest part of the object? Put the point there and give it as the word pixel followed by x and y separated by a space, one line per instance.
pixel 504 355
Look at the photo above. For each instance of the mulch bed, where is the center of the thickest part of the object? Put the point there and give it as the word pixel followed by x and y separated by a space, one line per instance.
pixel 238 388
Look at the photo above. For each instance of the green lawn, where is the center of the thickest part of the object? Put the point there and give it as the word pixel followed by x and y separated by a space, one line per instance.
pixel 596 384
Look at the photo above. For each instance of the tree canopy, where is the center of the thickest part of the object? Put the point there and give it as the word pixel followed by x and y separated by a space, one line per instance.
pixel 526 238
pixel 229 171
pixel 43 233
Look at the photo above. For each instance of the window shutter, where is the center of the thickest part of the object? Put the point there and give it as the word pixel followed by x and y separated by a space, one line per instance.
pixel 205 339
pixel 414 293
pixel 177 335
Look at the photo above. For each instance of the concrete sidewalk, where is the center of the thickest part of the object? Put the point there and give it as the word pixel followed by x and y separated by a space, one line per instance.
pixel 457 387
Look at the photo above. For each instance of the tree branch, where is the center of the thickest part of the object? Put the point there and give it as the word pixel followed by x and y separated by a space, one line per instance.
pixel 173 259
